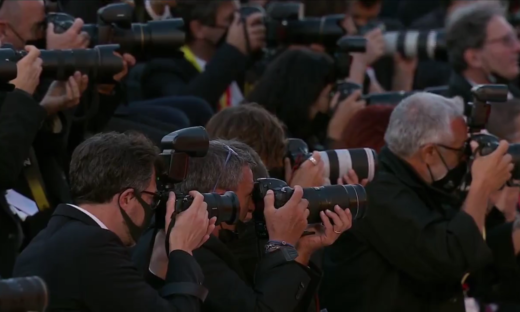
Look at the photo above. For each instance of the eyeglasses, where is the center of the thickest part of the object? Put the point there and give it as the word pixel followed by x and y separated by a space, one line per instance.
pixel 509 40
pixel 460 151
pixel 230 152
pixel 156 198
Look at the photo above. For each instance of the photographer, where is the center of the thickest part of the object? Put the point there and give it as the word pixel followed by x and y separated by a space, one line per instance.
pixel 82 254
pixel 420 239
pixel 296 88
pixel 254 125
pixel 216 54
pixel 483 49
pixel 282 282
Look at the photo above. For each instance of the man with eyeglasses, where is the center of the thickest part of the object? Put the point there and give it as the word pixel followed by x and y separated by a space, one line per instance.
pixel 83 255
pixel 284 279
pixel 414 250
pixel 483 48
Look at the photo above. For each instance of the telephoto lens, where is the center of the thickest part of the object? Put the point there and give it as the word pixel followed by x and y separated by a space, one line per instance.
pixel 23 294
pixel 224 207
pixel 425 45
pixel 353 197
pixel 100 63
pixel 337 162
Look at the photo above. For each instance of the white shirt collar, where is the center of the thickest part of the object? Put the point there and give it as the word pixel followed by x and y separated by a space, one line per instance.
pixel 93 217
pixel 155 16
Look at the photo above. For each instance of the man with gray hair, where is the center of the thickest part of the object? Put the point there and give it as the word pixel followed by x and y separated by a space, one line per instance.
pixel 483 48
pixel 284 281
pixel 420 240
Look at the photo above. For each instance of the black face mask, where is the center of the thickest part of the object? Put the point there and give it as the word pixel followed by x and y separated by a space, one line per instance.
pixel 453 178
pixel 135 230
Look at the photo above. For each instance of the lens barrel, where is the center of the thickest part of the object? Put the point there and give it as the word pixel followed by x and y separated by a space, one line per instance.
pixel 425 45
pixel 338 162
pixel 224 207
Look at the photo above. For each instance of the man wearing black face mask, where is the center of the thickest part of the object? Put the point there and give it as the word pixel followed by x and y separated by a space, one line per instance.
pixel 219 43
pixel 83 253
pixel 283 279
pixel 415 249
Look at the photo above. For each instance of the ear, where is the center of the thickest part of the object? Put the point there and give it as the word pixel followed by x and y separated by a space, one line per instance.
pixel 197 29
pixel 428 153
pixel 472 58
pixel 126 198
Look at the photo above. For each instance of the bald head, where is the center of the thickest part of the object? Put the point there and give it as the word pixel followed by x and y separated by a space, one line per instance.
pixel 21 21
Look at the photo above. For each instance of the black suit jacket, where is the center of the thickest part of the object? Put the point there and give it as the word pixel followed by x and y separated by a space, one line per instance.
pixel 177 76
pixel 20 120
pixel 87 268
pixel 279 285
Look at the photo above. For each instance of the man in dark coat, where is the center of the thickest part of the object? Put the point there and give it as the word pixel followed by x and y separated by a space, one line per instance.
pixel 415 249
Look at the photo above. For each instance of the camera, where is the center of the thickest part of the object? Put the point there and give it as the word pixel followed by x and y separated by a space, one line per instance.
pixel 100 63
pixel 178 147
pixel 23 294
pixel 337 162
pixel 478 113
pixel 343 60
pixel 143 41
pixel 320 198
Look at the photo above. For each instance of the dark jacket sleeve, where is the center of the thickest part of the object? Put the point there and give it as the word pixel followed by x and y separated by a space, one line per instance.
pixel 279 286
pixel 112 278
pixel 20 120
pixel 418 240
pixel 163 77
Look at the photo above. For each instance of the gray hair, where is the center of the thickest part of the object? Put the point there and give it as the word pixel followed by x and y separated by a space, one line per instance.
pixel 259 169
pixel 205 172
pixel 420 119
pixel 466 28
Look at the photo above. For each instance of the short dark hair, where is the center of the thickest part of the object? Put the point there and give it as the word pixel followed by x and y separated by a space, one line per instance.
pixel 254 125
pixel 291 85
pixel 107 163
pixel 205 172
pixel 502 120
pixel 466 28
pixel 204 11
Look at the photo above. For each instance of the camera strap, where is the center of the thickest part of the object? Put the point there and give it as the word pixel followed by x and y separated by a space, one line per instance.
pixel 225 100
pixel 35 181
pixel 169 231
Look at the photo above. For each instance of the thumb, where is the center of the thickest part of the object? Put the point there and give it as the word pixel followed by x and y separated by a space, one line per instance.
pixel 76 27
pixel 288 169
pixel 50 29
pixel 170 208
pixel 474 147
pixel 269 202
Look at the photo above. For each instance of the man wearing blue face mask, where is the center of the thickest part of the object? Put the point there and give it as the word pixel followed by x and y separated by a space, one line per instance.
pixel 421 242
pixel 216 53
pixel 83 254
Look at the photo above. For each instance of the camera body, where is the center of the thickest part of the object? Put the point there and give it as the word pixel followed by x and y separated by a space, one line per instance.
pixel 114 26
pixel 178 147
pixel 337 162
pixel 319 198
pixel 478 113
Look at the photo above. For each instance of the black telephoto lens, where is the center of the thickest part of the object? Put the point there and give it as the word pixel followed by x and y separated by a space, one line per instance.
pixel 153 39
pixel 224 207
pixel 100 63
pixel 23 294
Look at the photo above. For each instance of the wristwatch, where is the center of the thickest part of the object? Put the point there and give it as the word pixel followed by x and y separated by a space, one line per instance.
pixel 288 251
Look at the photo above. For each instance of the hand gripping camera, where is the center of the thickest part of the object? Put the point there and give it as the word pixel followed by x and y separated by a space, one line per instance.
pixel 178 147
pixel 320 198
